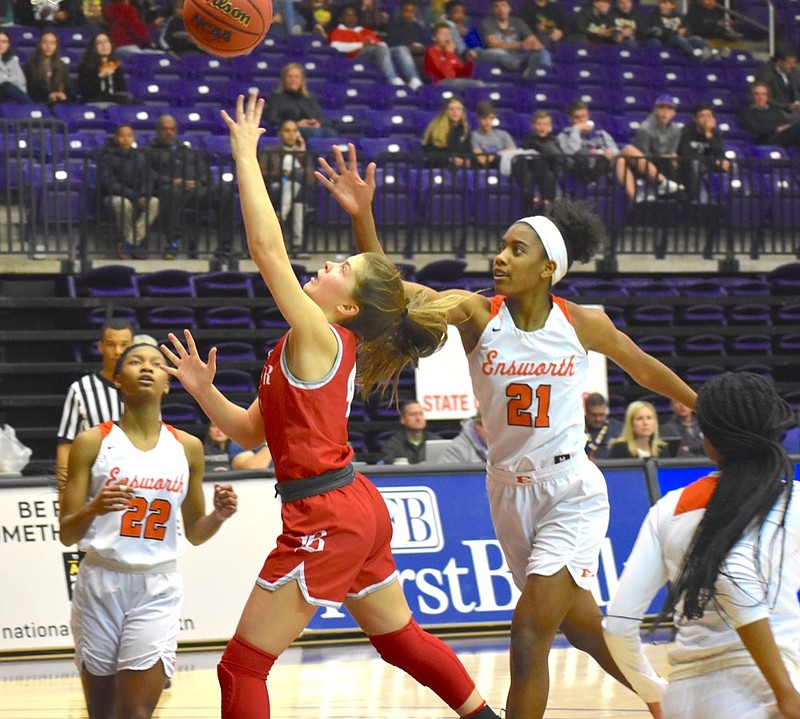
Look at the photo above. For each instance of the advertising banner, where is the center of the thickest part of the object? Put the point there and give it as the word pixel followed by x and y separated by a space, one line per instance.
pixel 449 562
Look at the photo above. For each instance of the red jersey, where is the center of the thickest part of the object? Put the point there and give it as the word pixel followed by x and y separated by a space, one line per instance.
pixel 305 423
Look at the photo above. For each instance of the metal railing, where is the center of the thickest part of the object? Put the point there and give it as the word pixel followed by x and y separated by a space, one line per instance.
pixel 57 205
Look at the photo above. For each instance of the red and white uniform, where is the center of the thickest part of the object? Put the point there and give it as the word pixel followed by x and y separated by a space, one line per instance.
pixel 549 502
pixel 350 40
pixel 708 658
pixel 337 544
pixel 126 605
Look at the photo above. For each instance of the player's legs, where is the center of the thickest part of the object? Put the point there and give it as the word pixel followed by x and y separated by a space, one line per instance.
pixel 100 694
pixel 138 692
pixel 582 628
pixel 270 622
pixel 538 615
pixel 385 617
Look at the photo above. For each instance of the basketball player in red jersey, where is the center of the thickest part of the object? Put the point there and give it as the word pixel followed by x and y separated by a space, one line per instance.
pixel 335 545
pixel 528 357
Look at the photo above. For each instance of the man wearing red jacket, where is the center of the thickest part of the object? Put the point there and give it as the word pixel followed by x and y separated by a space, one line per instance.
pixel 127 30
pixel 442 63
pixel 353 40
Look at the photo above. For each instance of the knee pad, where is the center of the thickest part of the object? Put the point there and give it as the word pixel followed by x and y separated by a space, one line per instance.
pixel 242 675
pixel 428 660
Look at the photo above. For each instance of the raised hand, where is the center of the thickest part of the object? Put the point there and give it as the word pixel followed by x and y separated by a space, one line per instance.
pixel 194 374
pixel 352 192
pixel 245 129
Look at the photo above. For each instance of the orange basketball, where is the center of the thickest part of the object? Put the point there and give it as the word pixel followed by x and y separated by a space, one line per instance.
pixel 227 27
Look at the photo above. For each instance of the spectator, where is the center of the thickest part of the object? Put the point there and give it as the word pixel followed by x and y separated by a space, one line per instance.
pixel 216 443
pixel 627 22
pixel 768 123
pixel 665 26
pixel 174 36
pixel 469 445
pixel 782 77
pixel 791 440
pixel 101 80
pixel 240 458
pixel 126 185
pixel 128 31
pixel 488 141
pixel 13 86
pixel 510 43
pixel 547 19
pixel 93 398
pixel 293 101
pixel 287 19
pixel 354 40
pixel 49 13
pixel 711 21
pixel 594 154
pixel 467 39
pixel 447 136
pixel 319 16
pixel 594 23
pixel 408 445
pixel 288 172
pixel 442 63
pixel 537 175
pixel 183 182
pixel 639 437
pixel 700 150
pixel 658 136
pixel 405 31
pixel 683 424
pixel 372 15
pixel 600 428
pixel 46 73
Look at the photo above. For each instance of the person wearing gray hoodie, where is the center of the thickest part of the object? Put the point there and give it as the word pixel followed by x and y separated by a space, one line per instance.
pixel 469 445
pixel 658 136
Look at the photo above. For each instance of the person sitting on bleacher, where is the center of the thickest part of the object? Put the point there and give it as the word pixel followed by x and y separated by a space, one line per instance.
pixel 701 149
pixel 466 38
pixel 46 73
pixel 49 13
pixel 293 101
pixel 594 23
pixel 510 43
pixel 443 65
pixel 782 76
pixel 548 19
pixel 128 31
pixel 665 26
pixel 767 122
pixel 627 21
pixel 12 80
pixel 711 21
pixel 101 79
pixel 406 31
pixel 354 40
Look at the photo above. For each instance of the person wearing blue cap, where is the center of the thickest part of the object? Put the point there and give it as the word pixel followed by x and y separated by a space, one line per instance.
pixel 658 136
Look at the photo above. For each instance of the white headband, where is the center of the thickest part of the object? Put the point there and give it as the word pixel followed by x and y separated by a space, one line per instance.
pixel 553 243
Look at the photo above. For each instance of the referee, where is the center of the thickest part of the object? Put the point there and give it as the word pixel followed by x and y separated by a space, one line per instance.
pixel 93 398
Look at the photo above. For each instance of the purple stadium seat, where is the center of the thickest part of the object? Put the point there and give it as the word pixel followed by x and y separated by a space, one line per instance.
pixel 704 345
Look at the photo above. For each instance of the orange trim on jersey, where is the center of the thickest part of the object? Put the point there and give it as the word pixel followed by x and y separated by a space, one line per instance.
pixel 562 303
pixel 105 429
pixel 172 430
pixel 497 303
pixel 696 495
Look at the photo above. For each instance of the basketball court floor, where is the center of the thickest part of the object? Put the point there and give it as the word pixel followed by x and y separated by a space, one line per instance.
pixel 335 682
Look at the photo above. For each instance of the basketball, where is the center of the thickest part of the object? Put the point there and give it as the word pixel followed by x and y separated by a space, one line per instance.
pixel 227 28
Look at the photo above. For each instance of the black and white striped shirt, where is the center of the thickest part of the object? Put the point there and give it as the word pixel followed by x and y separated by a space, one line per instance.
pixel 90 400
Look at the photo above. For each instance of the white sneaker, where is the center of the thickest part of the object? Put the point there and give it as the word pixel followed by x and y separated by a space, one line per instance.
pixel 415 83
pixel 669 187
pixel 397 81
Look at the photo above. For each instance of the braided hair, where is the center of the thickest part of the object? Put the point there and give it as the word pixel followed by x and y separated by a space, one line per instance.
pixel 744 418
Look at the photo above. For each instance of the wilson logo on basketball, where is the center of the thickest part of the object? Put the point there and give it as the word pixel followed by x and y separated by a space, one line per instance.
pixel 229 9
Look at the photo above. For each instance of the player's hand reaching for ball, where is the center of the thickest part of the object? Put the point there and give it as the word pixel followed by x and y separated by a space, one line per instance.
pixel 245 129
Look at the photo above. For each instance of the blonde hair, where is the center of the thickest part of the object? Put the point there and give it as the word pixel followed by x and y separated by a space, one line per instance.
pixel 394 329
pixel 294 66
pixel 439 128
pixel 627 436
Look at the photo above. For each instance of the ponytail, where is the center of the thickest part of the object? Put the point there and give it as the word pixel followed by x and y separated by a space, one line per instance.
pixel 394 330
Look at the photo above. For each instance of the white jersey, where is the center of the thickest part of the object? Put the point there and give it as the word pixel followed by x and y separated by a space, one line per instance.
pixel 145 534
pixel 530 389
pixel 750 587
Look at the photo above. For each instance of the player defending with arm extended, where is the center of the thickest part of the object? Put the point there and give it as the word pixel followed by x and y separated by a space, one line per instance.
pixel 335 545
pixel 527 353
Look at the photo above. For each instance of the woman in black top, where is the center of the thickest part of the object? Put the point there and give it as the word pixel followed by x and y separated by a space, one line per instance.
pixel 293 101
pixel 100 75
pixel 46 73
